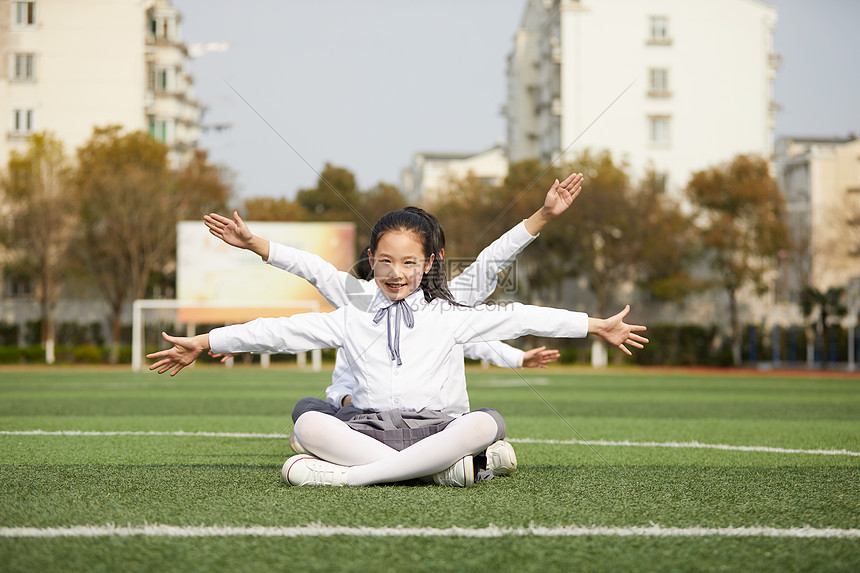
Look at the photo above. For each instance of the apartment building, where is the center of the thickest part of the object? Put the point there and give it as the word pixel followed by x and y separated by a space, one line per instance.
pixel 820 178
pixel 672 85
pixel 68 67
pixel 429 177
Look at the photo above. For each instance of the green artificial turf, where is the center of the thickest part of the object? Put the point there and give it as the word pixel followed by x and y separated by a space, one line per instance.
pixel 133 480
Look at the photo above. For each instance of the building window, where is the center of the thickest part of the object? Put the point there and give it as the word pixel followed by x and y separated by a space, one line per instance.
pixel 158 129
pixel 22 121
pixel 658 30
pixel 162 27
pixel 162 79
pixel 658 82
pixel 19 287
pixel 23 14
pixel 661 181
pixel 658 129
pixel 23 67
pixel 163 130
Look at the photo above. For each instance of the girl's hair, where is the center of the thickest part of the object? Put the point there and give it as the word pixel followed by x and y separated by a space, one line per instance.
pixel 434 282
pixel 362 268
pixel 435 228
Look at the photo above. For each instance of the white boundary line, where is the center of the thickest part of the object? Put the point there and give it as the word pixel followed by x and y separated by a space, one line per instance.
pixel 178 433
pixel 319 530
pixel 624 443
pixel 693 444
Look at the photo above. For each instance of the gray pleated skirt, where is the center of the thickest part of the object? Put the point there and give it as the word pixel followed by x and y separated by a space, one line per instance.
pixel 397 429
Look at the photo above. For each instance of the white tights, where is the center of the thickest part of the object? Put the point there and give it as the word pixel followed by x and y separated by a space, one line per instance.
pixel 370 461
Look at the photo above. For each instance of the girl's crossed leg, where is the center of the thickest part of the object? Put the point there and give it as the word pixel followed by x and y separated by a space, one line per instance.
pixel 366 460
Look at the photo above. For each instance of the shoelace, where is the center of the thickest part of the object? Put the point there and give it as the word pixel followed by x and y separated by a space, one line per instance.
pixel 321 474
pixel 408 318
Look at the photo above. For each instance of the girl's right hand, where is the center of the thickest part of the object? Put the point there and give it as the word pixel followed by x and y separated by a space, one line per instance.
pixel 185 351
pixel 233 231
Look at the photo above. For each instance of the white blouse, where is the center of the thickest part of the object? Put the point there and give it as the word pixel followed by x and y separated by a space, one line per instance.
pixel 425 349
pixel 471 287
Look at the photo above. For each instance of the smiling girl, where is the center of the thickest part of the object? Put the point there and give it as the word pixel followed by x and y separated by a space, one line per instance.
pixel 398 349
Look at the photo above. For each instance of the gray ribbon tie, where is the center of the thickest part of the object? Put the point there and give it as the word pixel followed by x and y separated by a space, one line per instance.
pixel 408 318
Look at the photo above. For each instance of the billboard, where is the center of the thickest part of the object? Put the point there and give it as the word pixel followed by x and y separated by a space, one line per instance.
pixel 214 275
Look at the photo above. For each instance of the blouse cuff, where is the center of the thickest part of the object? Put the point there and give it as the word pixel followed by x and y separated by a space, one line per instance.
pixel 523 234
pixel 273 248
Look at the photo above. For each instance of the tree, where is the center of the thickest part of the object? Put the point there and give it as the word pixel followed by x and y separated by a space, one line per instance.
pixel 671 245
pixel 37 187
pixel 338 198
pixel 202 187
pixel 334 198
pixel 740 211
pixel 474 213
pixel 618 234
pixel 271 209
pixel 376 202
pixel 609 236
pixel 128 214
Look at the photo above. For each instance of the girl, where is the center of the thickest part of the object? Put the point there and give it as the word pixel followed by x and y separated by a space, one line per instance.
pixel 471 287
pixel 398 349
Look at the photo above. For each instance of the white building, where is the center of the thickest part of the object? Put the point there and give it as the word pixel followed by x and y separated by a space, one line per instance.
pixel 68 67
pixel 431 174
pixel 698 77
pixel 820 178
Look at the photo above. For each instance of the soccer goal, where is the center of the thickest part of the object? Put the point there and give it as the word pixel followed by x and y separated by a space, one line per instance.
pixel 183 316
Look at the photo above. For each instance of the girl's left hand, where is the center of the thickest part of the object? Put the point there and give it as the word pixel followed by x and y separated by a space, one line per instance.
pixel 562 194
pixel 617 332
pixel 539 357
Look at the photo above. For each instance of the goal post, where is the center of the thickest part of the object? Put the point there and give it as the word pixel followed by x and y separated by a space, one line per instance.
pixel 192 313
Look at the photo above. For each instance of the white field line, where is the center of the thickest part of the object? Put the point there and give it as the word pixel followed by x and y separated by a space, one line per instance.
pixel 694 445
pixel 178 433
pixel 319 530
pixel 624 443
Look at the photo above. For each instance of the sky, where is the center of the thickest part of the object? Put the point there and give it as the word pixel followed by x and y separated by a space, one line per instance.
pixel 366 85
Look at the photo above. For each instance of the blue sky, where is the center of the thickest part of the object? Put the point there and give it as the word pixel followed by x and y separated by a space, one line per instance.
pixel 365 85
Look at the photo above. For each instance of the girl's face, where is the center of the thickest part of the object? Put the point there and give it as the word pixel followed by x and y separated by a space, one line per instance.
pixel 399 263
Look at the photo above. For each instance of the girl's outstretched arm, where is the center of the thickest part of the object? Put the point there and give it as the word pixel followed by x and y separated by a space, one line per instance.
pixel 185 350
pixel 539 357
pixel 479 280
pixel 283 335
pixel 336 286
pixel 617 332
pixel 490 322
pixel 506 356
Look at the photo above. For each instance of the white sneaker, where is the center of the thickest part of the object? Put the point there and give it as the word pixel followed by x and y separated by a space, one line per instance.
pixel 308 470
pixel 501 458
pixel 461 474
pixel 296 446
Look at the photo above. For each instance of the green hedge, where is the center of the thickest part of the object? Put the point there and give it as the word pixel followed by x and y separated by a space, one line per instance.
pixel 670 345
pixel 78 354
